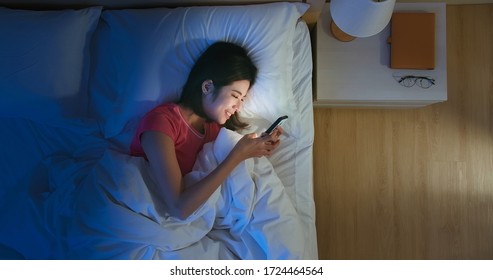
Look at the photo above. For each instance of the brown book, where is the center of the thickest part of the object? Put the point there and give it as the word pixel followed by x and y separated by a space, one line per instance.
pixel 412 41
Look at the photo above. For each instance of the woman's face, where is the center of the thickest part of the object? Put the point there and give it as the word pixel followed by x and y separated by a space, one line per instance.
pixel 228 101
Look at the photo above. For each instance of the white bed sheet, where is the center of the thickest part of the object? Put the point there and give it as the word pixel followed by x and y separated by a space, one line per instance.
pixel 27 150
pixel 302 89
pixel 27 176
pixel 249 217
pixel 293 161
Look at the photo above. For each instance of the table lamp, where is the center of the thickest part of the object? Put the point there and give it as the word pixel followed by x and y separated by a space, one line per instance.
pixel 359 18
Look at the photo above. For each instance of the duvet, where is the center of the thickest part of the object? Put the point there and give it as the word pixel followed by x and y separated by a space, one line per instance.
pixel 109 212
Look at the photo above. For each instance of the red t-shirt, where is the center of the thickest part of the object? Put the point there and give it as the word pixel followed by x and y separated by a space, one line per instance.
pixel 168 119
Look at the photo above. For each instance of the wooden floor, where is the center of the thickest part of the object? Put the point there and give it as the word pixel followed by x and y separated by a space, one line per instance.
pixel 414 184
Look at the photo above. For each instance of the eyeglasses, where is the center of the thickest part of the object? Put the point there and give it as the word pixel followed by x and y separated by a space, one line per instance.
pixel 410 80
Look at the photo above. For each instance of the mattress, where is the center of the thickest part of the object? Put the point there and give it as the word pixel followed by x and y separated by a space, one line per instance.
pixel 31 227
pixel 295 166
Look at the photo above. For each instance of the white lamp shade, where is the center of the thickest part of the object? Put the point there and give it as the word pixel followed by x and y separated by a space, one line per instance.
pixel 361 18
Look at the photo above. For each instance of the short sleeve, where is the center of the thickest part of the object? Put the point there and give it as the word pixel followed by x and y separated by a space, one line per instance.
pixel 160 119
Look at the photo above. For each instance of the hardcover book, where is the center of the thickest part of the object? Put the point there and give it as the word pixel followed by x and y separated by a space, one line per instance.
pixel 412 41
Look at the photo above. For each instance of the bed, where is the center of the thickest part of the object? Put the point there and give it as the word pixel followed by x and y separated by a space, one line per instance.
pixel 73 85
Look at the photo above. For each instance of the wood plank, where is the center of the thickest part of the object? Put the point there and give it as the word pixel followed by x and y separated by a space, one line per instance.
pixel 418 183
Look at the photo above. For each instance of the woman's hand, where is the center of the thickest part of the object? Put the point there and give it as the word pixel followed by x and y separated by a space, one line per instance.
pixel 278 131
pixel 251 145
pixel 165 170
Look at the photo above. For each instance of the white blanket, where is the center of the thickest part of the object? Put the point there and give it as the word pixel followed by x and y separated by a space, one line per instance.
pixel 249 217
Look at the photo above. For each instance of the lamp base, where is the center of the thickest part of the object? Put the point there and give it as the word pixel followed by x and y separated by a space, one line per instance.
pixel 339 34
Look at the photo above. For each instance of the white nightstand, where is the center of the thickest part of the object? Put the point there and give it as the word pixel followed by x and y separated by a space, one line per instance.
pixel 357 73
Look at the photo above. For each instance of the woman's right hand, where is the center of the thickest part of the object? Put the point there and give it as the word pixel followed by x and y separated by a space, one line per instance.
pixel 251 145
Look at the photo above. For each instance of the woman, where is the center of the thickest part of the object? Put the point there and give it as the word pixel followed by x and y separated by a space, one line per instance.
pixel 171 135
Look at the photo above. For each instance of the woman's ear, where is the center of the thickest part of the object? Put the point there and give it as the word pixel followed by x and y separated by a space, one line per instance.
pixel 207 87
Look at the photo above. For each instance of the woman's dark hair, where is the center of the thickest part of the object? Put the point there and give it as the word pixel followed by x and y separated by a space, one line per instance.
pixel 223 63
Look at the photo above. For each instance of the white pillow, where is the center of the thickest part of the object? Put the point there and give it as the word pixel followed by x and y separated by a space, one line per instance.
pixel 44 62
pixel 143 57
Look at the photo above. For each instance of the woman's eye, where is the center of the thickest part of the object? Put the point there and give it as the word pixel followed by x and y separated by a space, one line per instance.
pixel 237 97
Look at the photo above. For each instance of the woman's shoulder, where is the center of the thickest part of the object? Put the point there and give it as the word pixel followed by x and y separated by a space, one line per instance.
pixel 168 109
pixel 166 114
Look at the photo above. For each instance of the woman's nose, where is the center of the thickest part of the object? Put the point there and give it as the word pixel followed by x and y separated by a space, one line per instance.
pixel 238 105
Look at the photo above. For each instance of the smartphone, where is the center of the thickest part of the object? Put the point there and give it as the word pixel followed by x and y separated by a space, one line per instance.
pixel 275 124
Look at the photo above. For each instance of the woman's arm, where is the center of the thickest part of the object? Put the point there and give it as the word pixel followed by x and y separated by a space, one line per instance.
pixel 181 202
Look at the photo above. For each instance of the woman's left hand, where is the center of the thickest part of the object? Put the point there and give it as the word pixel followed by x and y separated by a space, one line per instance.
pixel 276 134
